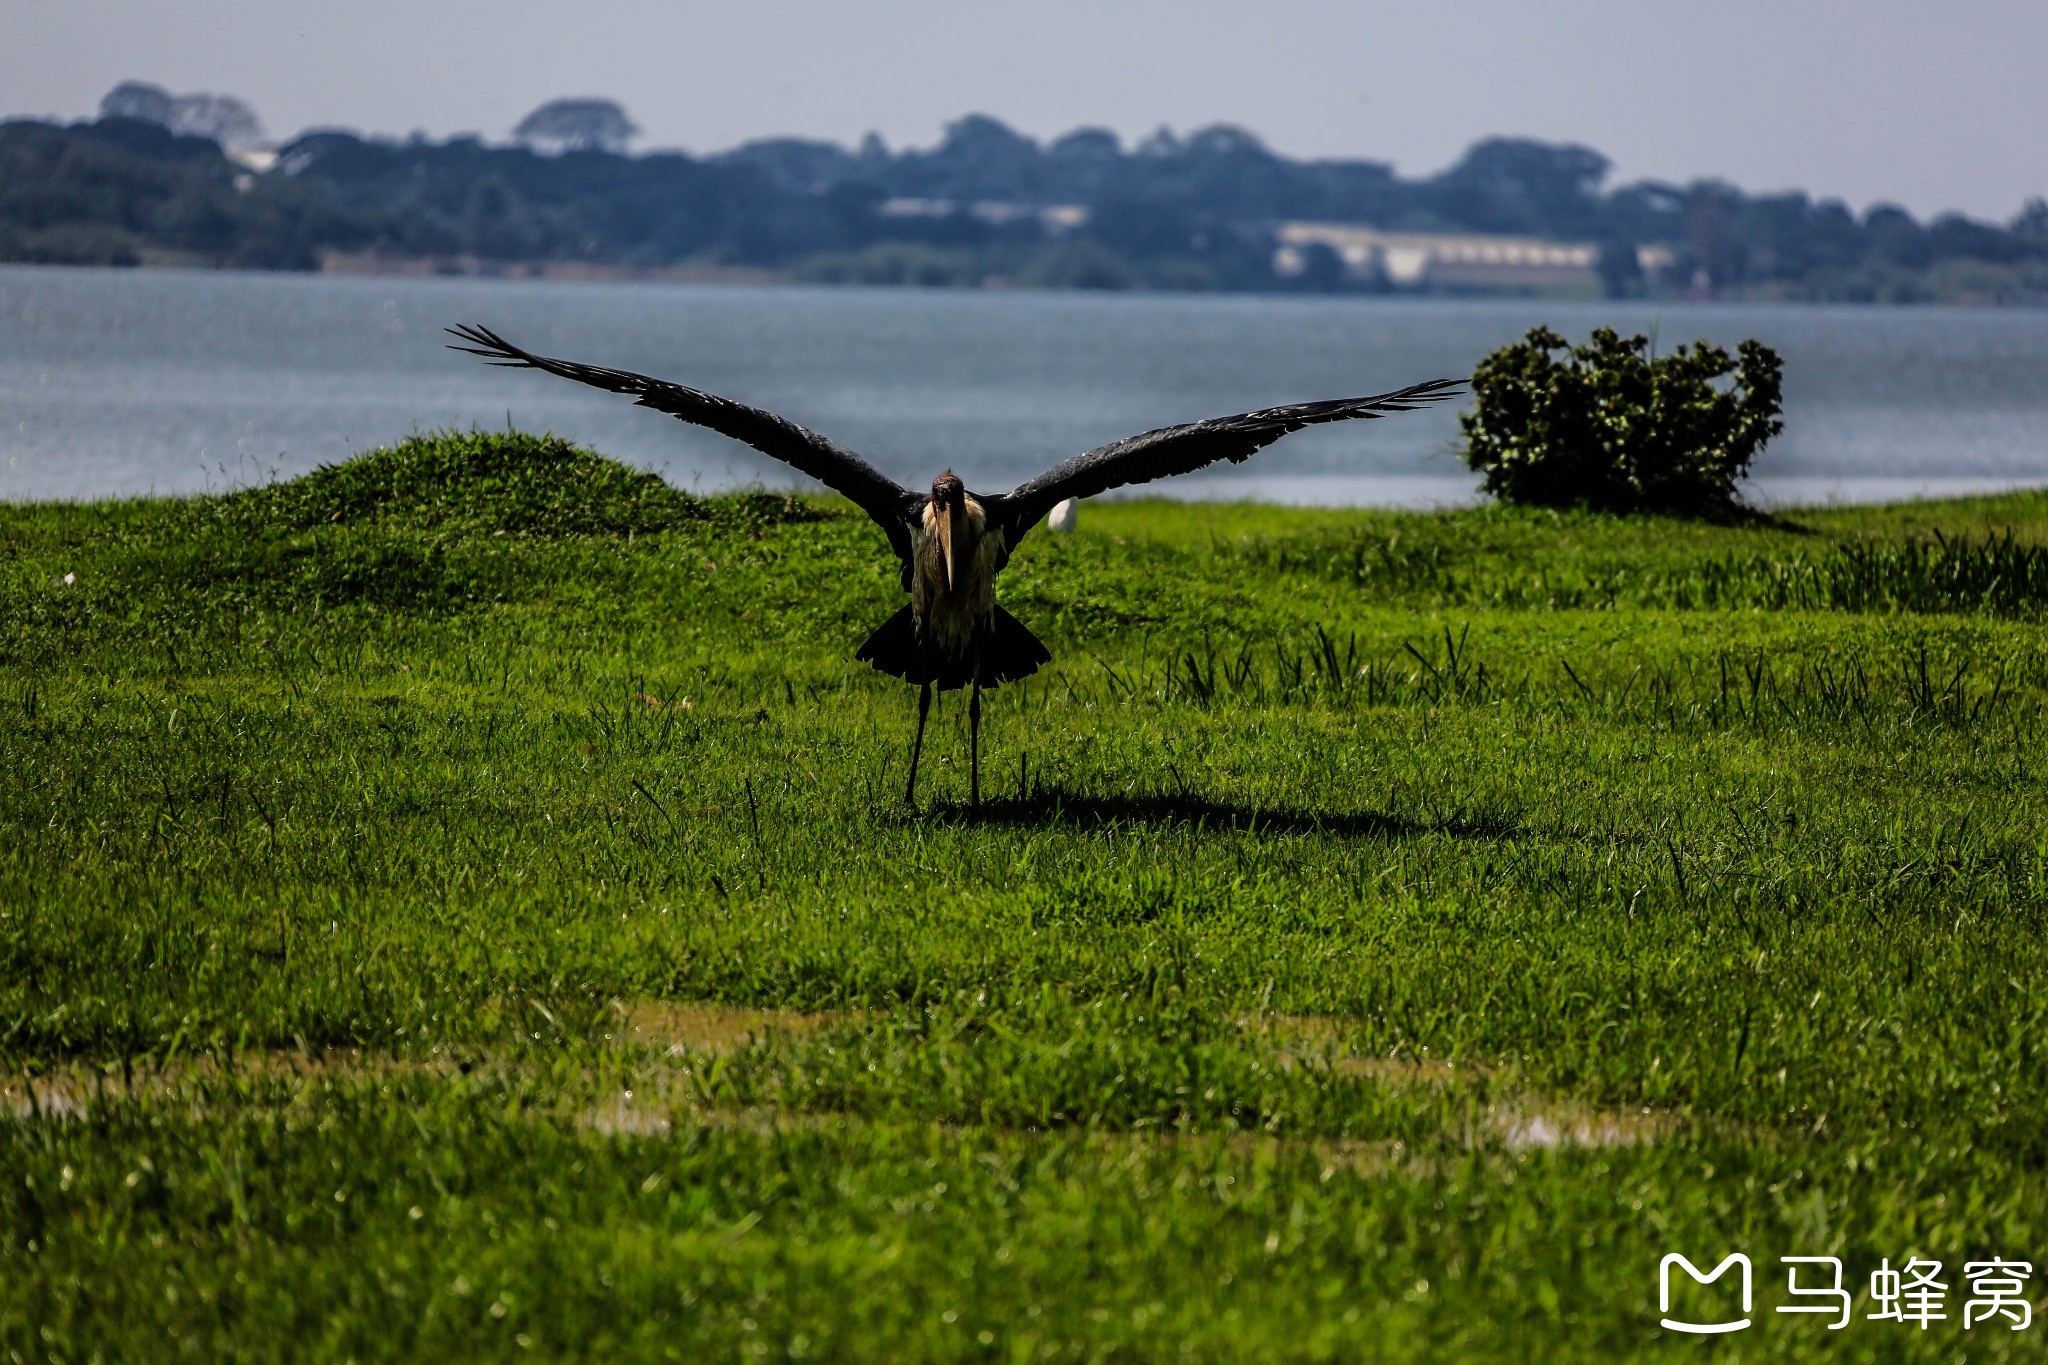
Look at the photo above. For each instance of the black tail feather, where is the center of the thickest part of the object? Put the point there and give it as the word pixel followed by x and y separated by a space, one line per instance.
pixel 1012 652
pixel 893 649
pixel 1009 652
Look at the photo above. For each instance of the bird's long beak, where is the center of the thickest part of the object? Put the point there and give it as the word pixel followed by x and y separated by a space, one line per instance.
pixel 953 542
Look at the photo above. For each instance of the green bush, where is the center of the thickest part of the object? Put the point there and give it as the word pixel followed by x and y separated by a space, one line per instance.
pixel 1611 428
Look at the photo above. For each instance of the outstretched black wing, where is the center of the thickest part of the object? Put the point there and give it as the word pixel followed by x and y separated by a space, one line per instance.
pixel 888 502
pixel 1178 450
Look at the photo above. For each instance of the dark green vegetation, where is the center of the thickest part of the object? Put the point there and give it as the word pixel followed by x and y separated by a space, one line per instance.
pixel 121 190
pixel 435 927
pixel 1612 428
pixel 1198 212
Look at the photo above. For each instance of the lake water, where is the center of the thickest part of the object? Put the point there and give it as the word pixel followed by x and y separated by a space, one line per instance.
pixel 127 382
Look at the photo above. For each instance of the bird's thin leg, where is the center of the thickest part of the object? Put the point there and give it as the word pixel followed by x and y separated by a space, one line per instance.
pixel 924 706
pixel 974 748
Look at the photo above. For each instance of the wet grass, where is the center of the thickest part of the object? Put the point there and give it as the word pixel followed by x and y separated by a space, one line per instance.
pixel 432 926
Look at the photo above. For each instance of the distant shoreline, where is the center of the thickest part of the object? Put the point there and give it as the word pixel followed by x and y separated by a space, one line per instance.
pixel 371 265
pixel 1215 211
pixel 476 267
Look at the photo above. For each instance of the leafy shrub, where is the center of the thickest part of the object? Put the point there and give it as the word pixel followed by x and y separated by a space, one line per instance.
pixel 1611 428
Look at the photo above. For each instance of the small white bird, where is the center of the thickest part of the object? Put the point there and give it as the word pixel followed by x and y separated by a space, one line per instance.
pixel 1063 515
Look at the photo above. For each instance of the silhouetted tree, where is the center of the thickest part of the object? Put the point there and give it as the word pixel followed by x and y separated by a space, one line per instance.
pixel 1515 185
pixel 1621 272
pixel 1711 242
pixel 979 158
pixel 1322 269
pixel 796 164
pixel 138 100
pixel 1894 237
pixel 1095 146
pixel 223 118
pixel 2030 224
pixel 577 125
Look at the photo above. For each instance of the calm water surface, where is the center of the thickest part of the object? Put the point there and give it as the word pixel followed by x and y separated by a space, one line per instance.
pixel 126 382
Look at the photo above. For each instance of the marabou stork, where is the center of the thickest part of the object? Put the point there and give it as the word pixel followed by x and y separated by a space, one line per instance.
pixel 953 543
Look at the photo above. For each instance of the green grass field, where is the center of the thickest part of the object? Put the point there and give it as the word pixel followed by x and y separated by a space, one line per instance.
pixel 461 905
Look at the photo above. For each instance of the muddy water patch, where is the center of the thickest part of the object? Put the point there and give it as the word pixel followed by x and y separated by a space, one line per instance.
pixel 659 1065
pixel 677 1027
pixel 673 1028
pixel 1519 1121
pixel 1530 1126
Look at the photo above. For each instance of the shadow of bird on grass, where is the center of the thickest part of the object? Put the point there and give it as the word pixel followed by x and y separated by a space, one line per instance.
pixel 1079 810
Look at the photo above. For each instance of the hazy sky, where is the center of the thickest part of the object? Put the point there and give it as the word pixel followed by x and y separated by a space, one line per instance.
pixel 1932 105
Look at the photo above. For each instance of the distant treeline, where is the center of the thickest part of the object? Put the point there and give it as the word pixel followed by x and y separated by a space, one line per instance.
pixel 1194 212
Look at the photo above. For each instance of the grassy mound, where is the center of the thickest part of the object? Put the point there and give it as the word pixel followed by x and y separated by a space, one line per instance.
pixel 432 525
pixel 477 482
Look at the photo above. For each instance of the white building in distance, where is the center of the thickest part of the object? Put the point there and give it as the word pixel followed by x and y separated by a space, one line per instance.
pixel 1054 218
pixel 1454 260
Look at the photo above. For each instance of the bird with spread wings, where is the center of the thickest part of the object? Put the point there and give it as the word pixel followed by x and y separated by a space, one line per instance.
pixel 952 543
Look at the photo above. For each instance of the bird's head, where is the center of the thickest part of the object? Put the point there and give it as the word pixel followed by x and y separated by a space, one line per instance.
pixel 949 517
